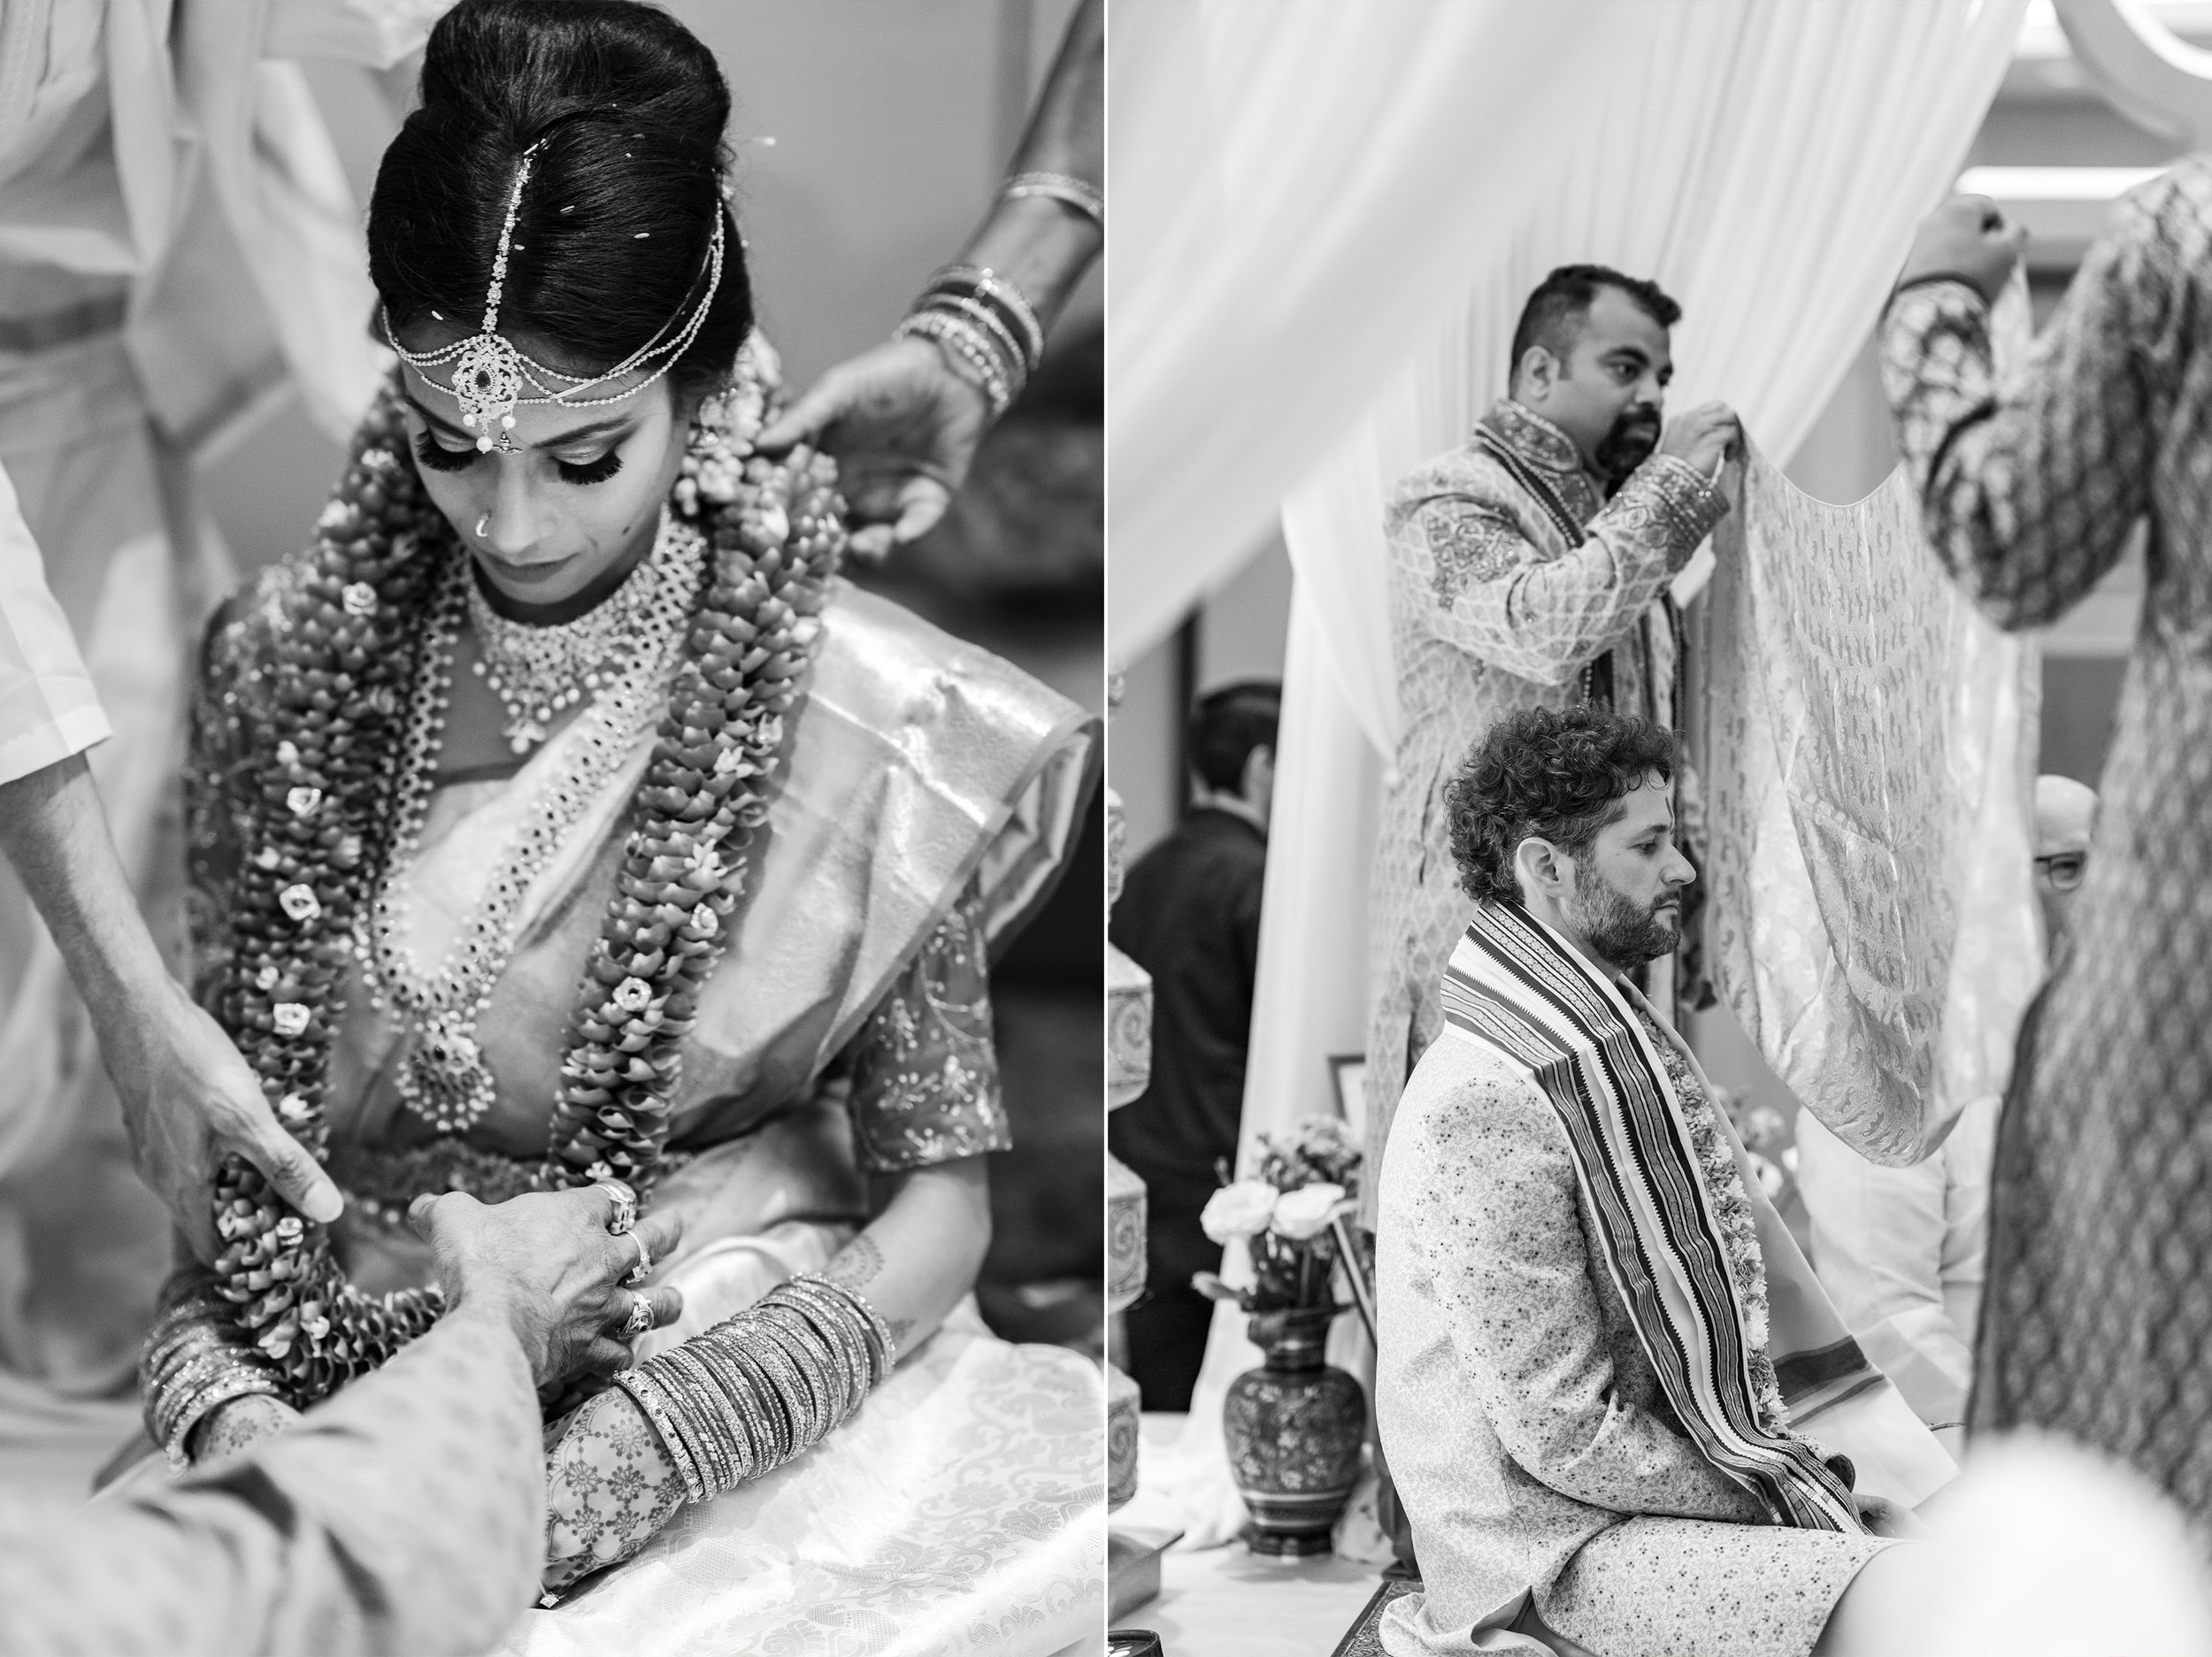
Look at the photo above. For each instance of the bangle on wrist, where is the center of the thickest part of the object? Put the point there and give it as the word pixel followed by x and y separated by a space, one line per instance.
pixel 1065 188
pixel 763 1386
pixel 967 351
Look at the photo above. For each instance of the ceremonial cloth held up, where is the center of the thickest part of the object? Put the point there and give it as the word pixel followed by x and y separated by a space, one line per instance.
pixel 1869 756
pixel 1517 987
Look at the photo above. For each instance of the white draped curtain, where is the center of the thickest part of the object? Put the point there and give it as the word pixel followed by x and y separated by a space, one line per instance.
pixel 1766 164
pixel 1300 188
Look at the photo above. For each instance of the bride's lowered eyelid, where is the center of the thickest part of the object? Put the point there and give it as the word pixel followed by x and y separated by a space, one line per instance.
pixel 439 458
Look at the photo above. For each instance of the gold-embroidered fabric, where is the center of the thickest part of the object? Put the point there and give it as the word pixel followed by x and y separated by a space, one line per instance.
pixel 925 1084
pixel 1869 775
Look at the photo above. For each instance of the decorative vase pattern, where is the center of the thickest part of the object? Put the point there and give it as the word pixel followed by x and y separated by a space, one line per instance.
pixel 1123 1400
pixel 1128 1029
pixel 1124 1235
pixel 1294 1427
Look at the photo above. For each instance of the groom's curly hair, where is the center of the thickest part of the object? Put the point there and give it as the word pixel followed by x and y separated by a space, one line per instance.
pixel 1546 773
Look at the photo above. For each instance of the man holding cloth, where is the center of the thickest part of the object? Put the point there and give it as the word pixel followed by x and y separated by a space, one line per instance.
pixel 1529 569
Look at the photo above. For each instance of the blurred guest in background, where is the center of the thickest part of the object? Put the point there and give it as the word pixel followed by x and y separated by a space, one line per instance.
pixel 1189 915
pixel 2096 1323
pixel 1903 1251
pixel 179 253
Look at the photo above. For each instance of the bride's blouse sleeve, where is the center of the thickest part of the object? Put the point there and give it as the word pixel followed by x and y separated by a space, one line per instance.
pixel 925 1077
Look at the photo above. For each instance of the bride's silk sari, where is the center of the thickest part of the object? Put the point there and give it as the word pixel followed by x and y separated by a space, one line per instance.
pixel 930 794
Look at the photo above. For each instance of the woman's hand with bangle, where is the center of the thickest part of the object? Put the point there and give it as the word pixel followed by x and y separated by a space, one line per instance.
pixel 902 426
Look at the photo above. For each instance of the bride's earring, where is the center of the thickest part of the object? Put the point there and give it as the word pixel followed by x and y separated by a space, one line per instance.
pixel 481 524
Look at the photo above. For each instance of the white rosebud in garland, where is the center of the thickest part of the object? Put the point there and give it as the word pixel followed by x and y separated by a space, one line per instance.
pixel 345 650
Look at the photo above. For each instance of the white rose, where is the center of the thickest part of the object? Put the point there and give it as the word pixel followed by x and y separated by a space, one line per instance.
pixel 1305 1213
pixel 1239 1210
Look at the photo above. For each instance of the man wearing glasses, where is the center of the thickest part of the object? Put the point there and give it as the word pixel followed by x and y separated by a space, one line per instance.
pixel 1903 1250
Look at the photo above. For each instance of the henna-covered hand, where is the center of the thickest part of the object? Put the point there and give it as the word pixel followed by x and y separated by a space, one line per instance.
pixel 609 1487
pixel 232 1427
pixel 858 1264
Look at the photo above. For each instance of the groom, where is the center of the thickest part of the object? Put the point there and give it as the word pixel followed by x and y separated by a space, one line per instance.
pixel 1616 1402
pixel 1528 569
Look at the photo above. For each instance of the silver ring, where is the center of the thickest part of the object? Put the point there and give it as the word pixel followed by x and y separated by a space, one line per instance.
pixel 625 1214
pixel 644 1258
pixel 481 524
pixel 639 1320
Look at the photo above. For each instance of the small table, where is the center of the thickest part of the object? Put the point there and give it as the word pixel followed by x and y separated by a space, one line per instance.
pixel 1232 1602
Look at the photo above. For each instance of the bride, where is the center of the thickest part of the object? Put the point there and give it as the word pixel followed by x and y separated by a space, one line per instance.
pixel 559 817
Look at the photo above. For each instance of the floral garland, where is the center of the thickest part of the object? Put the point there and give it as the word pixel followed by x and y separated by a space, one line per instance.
pixel 349 633
pixel 1731 1208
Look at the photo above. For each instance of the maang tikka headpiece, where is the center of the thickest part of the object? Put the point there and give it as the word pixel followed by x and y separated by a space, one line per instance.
pixel 490 373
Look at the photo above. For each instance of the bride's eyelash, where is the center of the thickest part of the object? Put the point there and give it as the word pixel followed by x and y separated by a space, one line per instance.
pixel 590 471
pixel 438 459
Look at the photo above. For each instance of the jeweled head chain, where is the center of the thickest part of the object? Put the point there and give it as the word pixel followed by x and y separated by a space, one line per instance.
pixel 490 373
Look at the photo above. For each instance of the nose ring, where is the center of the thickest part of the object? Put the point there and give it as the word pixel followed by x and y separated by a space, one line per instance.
pixel 481 524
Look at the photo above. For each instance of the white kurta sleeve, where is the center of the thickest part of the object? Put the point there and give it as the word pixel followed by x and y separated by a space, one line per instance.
pixel 1881 1238
pixel 47 708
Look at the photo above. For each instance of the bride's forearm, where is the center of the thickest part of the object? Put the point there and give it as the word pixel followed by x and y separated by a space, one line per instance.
pixel 1039 244
pixel 917 1259
pixel 612 1479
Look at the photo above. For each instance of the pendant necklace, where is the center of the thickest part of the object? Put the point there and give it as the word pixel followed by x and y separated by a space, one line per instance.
pixel 444 1077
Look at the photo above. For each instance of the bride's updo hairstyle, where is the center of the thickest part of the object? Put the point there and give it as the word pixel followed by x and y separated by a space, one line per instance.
pixel 610 242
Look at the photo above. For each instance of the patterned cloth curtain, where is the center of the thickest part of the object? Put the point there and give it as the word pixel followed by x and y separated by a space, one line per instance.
pixel 1870 759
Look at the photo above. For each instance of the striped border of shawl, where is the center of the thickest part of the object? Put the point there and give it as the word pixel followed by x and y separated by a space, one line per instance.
pixel 1511 985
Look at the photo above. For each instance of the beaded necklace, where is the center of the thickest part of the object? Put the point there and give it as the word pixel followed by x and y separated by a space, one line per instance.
pixel 329 780
pixel 538 671
pixel 443 1078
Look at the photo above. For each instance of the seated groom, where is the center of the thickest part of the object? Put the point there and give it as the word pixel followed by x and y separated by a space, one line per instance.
pixel 1621 1414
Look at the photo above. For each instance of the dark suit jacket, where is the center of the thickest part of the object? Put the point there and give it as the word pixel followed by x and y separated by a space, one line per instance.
pixel 1189 915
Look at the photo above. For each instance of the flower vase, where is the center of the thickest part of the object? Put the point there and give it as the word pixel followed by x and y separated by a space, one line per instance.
pixel 1294 1428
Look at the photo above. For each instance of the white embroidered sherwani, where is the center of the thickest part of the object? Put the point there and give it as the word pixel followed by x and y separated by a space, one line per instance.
pixel 1514 583
pixel 1532 1442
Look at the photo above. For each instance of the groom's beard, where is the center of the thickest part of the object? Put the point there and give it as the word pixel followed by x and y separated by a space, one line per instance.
pixel 1628 444
pixel 1617 931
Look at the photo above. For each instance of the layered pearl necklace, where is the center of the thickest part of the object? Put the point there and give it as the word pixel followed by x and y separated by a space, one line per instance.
pixel 443 1078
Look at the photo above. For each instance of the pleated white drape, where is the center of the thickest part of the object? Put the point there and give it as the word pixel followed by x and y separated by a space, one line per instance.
pixel 1300 188
pixel 1766 164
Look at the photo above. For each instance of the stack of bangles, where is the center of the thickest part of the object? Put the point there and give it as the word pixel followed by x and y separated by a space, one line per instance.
pixel 187 1370
pixel 763 1386
pixel 986 327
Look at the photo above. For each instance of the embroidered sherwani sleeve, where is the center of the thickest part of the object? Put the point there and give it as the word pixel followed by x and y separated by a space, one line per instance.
pixel 1489 591
pixel 2029 486
pixel 405 1515
pixel 1499 1228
